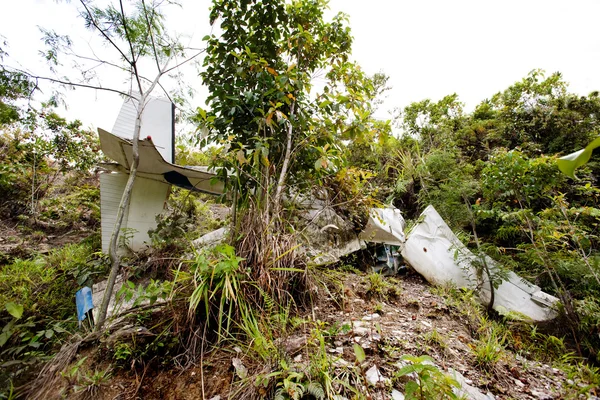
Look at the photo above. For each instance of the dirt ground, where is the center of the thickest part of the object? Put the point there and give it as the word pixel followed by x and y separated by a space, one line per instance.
pixel 15 242
pixel 401 323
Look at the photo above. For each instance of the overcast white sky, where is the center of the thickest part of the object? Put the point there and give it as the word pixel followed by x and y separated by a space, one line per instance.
pixel 428 48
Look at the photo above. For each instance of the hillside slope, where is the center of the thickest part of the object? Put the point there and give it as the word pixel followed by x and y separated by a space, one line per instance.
pixel 387 318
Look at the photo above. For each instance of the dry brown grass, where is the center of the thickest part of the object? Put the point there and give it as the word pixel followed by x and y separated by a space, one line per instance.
pixel 271 256
pixel 45 385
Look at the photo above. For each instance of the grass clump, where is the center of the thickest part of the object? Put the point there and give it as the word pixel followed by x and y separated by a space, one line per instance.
pixel 37 305
pixel 435 338
pixel 380 288
pixel 489 349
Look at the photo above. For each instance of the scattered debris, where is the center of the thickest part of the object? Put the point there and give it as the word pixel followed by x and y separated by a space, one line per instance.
pixel 128 332
pixel 211 238
pixel 117 308
pixel 396 395
pixel 240 369
pixel 327 235
pixel 85 304
pixel 374 376
pixel 385 225
pixel 466 390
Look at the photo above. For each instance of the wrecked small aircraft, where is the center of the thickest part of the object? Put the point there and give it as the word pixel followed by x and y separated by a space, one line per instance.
pixel 430 247
pixel 434 251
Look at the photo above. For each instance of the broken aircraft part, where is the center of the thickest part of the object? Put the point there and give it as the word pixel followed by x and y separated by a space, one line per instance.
pixel 435 252
pixel 85 305
pixel 385 225
pixel 153 166
pixel 156 171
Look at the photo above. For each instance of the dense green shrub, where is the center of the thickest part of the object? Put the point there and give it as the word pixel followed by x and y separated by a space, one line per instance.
pixel 500 161
pixel 33 159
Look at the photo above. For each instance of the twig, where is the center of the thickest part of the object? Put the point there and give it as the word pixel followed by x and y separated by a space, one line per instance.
pixel 93 21
pixel 202 360
pixel 62 82
pixel 146 365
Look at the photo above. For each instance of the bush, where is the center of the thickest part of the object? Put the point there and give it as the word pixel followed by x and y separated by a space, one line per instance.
pixel 32 161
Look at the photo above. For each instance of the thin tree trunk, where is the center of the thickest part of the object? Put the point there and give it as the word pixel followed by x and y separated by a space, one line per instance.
pixel 113 249
pixel 579 249
pixel 286 163
pixel 486 267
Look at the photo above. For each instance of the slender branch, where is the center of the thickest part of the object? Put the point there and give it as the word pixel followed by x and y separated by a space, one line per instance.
pixel 62 82
pixel 482 256
pixel 286 162
pixel 98 60
pixel 183 62
pixel 575 238
pixel 166 93
pixel 134 63
pixel 113 44
pixel 151 34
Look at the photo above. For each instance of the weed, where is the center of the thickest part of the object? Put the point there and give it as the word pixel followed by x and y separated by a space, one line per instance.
pixel 489 349
pixel 72 373
pixel 349 268
pixel 380 288
pixel 430 383
pixel 295 387
pixel 434 338
pixel 80 262
pixel 331 281
pixel 122 353
pixel 463 301
pixel 584 380
pixel 217 281
pixel 89 386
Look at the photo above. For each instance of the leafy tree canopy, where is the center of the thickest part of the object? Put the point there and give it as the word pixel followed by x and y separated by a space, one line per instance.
pixel 283 93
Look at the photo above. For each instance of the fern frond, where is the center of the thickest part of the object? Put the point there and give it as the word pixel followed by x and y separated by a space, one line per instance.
pixel 315 389
pixel 279 395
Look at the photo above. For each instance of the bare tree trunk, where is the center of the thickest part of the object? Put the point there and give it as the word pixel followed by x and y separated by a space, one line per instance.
pixel 113 250
pixel 286 163
pixel 486 267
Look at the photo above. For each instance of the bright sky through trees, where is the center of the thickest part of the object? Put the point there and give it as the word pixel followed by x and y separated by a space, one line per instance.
pixel 428 48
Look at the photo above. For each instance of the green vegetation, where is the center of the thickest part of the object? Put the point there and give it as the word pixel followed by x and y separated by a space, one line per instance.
pixel 430 382
pixel 495 170
pixel 254 299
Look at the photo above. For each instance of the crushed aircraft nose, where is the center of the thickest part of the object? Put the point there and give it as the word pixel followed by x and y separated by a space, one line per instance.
pixel 388 260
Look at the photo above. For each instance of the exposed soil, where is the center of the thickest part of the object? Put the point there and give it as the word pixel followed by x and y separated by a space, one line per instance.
pixel 385 329
pixel 18 240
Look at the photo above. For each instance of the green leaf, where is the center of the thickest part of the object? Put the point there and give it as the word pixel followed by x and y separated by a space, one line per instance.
pixel 4 336
pixel 569 163
pixel 16 310
pixel 410 389
pixel 359 353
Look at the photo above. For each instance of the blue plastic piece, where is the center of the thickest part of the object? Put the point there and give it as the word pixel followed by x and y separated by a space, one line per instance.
pixel 83 299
